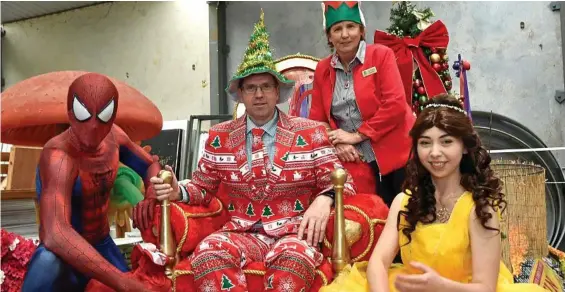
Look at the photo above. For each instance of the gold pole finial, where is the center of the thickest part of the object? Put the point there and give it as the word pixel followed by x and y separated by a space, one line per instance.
pixel 339 176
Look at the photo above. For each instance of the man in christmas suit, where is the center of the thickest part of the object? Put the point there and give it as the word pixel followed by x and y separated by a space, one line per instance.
pixel 276 172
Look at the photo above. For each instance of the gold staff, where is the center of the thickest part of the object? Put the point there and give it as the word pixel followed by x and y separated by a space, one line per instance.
pixel 167 240
pixel 340 252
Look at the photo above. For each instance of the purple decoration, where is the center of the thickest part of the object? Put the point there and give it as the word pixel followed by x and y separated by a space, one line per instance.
pixel 463 85
pixel 304 104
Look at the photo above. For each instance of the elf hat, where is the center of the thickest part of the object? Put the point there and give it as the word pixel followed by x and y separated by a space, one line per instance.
pixel 259 59
pixel 338 11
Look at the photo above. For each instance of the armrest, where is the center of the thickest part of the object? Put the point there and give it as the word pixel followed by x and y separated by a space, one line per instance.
pixel 340 252
pixel 178 227
pixel 365 217
pixel 189 224
pixel 355 226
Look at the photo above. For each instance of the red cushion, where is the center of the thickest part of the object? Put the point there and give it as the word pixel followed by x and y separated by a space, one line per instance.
pixel 192 222
pixel 356 207
pixel 143 269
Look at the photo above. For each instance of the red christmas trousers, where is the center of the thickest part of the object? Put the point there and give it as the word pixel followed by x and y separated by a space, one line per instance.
pixel 220 258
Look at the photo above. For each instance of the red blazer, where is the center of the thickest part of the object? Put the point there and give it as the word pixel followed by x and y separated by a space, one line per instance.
pixel 301 170
pixel 387 117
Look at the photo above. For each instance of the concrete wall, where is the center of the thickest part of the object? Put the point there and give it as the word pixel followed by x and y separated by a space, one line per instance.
pixel 160 48
pixel 514 72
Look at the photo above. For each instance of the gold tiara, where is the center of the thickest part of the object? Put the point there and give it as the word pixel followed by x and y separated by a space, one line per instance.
pixel 447 106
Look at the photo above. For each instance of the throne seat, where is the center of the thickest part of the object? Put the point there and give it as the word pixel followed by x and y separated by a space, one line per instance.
pixel 365 215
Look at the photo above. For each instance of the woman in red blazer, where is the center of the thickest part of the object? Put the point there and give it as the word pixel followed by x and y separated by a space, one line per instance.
pixel 359 95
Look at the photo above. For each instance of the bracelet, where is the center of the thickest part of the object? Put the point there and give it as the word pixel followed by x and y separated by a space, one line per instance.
pixel 330 194
pixel 184 195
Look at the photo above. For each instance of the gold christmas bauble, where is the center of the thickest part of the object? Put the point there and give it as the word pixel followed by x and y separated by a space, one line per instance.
pixel 435 58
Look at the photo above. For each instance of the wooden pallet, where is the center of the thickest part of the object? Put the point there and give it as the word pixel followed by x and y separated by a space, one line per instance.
pixel 18 168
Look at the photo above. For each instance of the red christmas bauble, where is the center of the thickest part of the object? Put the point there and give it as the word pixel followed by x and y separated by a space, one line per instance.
pixel 466 65
pixel 438 67
pixel 421 90
pixel 434 50
pixel 417 83
pixel 445 66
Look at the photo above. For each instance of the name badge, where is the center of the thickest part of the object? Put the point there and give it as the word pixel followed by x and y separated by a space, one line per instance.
pixel 369 71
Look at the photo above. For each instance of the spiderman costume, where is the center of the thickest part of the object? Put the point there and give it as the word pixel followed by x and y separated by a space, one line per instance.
pixel 76 172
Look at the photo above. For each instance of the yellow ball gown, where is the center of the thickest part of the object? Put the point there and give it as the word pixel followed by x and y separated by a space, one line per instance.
pixel 445 247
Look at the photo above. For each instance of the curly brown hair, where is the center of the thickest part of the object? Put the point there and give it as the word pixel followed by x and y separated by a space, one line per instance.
pixel 476 175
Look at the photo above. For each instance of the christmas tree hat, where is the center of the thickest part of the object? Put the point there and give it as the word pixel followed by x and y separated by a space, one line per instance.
pixel 259 59
pixel 338 11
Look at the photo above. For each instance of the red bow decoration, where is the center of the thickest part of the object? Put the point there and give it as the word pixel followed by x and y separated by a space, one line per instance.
pixel 408 49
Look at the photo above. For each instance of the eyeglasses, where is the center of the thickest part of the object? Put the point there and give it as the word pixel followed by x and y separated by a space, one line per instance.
pixel 265 88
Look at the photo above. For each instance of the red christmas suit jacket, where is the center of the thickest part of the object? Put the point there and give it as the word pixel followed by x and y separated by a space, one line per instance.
pixel 381 99
pixel 301 169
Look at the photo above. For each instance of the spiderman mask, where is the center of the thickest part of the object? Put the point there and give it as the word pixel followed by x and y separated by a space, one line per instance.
pixel 92 104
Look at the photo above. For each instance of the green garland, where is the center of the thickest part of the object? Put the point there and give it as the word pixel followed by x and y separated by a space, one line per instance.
pixel 404 21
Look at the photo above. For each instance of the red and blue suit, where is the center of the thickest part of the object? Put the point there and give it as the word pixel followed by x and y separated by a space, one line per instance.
pixel 76 172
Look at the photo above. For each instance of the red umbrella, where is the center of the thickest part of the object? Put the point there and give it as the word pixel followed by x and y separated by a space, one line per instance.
pixel 35 110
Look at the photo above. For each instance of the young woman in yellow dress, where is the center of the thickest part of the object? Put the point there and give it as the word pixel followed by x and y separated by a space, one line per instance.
pixel 446 223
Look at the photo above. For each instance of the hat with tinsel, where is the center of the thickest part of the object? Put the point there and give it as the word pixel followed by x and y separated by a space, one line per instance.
pixel 259 59
pixel 338 11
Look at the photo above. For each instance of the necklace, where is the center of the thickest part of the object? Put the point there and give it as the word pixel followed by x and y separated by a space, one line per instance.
pixel 443 214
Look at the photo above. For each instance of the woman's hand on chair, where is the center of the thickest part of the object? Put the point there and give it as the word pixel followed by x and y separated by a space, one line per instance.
pixel 340 136
pixel 347 153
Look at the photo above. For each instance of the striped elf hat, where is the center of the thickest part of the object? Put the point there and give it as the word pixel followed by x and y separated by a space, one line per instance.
pixel 337 11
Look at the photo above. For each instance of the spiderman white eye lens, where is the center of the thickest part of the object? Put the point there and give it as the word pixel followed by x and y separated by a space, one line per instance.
pixel 106 114
pixel 80 111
